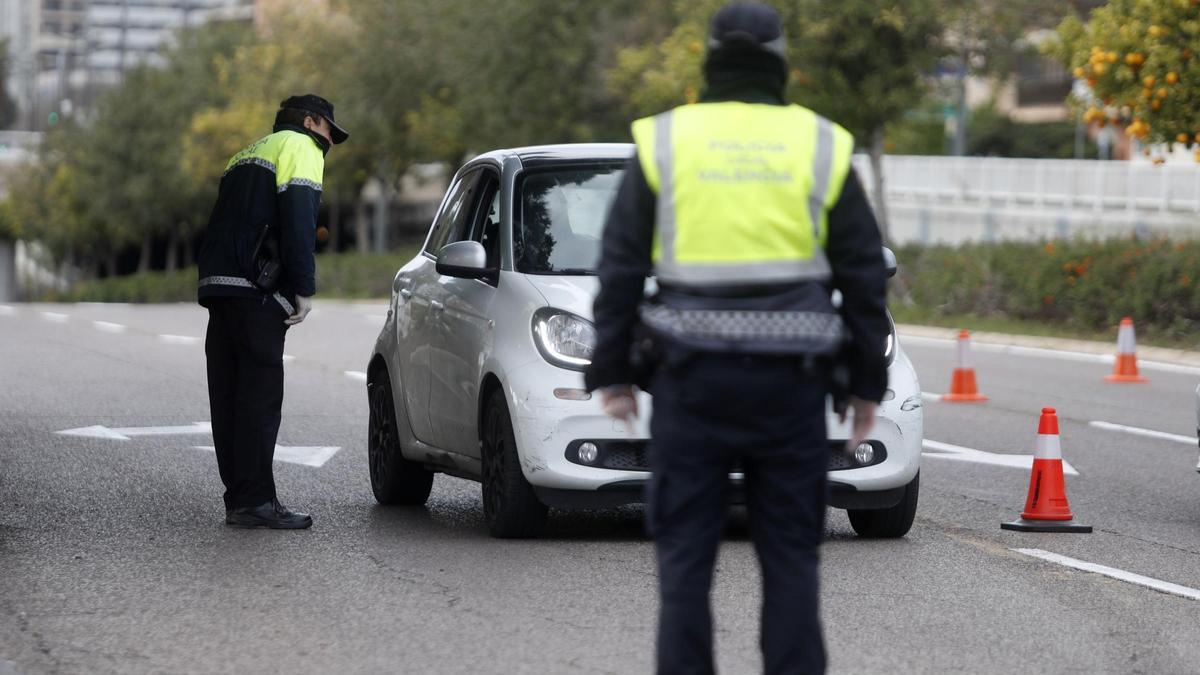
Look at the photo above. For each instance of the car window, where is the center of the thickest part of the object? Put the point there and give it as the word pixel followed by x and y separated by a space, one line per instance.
pixel 485 227
pixel 453 219
pixel 561 218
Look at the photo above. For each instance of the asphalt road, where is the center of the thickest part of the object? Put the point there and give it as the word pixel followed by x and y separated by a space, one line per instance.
pixel 113 556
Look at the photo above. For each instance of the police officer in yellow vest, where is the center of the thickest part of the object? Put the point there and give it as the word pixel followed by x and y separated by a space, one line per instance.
pixel 257 278
pixel 748 213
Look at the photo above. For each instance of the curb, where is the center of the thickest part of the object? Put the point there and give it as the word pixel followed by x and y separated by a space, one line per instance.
pixel 1181 357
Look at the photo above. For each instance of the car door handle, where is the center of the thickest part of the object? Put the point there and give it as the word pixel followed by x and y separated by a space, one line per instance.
pixel 437 306
pixel 406 293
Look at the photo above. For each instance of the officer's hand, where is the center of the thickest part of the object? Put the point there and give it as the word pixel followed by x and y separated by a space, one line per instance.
pixel 864 420
pixel 303 307
pixel 619 403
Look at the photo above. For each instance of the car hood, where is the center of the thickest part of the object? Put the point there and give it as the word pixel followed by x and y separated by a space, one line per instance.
pixel 573 294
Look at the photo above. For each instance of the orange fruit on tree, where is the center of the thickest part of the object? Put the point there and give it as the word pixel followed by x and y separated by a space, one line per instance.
pixel 1149 81
pixel 1162 92
pixel 1172 77
pixel 1182 138
pixel 1099 68
pixel 1156 106
pixel 1080 72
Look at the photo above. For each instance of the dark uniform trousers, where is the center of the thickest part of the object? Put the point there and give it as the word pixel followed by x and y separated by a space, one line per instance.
pixel 768 413
pixel 244 346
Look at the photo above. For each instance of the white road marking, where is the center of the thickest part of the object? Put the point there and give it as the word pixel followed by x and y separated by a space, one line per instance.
pixel 1121 575
pixel 185 340
pixel 959 453
pixel 931 397
pixel 109 327
pixel 1149 433
pixel 355 375
pixel 308 456
pixel 55 317
pixel 124 434
pixel 1060 354
pixel 7 310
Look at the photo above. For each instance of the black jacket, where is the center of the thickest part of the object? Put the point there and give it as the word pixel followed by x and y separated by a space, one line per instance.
pixel 276 181
pixel 854 250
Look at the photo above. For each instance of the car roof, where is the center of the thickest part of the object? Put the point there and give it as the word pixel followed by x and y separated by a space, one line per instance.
pixel 534 155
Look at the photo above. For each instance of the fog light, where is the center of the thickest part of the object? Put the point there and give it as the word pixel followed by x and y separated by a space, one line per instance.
pixel 864 453
pixel 588 453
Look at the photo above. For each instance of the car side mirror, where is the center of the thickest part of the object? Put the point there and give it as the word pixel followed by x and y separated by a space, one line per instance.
pixel 463 259
pixel 889 261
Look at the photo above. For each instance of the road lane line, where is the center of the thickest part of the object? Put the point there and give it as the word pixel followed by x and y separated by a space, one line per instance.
pixel 931 397
pixel 184 340
pixel 1061 354
pixel 959 453
pixel 7 310
pixel 1149 433
pixel 355 375
pixel 109 327
pixel 55 317
pixel 1121 575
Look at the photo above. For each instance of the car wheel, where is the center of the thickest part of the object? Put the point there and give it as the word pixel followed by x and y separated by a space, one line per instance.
pixel 394 479
pixel 510 507
pixel 888 523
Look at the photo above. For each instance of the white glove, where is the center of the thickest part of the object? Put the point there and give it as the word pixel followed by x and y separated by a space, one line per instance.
pixel 303 307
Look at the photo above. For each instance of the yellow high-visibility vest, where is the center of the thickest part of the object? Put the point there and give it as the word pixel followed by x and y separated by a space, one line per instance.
pixel 290 155
pixel 744 191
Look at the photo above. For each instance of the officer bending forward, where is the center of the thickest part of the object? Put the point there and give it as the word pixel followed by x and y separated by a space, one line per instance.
pixel 749 214
pixel 257 277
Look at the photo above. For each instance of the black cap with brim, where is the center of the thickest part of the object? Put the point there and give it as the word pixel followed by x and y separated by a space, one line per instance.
pixel 748 25
pixel 318 106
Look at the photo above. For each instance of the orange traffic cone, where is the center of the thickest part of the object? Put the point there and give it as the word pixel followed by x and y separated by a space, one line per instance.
pixel 1046 508
pixel 1126 369
pixel 962 387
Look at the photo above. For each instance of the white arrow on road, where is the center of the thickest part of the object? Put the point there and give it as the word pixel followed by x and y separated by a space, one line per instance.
pixel 957 452
pixel 308 456
pixel 124 434
pixel 315 456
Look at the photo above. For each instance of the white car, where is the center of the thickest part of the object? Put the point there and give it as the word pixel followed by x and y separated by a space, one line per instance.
pixel 477 371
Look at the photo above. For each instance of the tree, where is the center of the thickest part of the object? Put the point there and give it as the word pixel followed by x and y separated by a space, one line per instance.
pixel 1138 59
pixel 8 107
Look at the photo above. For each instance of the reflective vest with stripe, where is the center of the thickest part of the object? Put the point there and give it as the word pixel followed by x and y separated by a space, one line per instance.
pixel 743 196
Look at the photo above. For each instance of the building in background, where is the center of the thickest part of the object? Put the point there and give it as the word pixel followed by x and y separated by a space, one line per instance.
pixel 64 53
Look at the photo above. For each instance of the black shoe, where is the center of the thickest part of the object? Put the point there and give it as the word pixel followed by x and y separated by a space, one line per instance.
pixel 271 515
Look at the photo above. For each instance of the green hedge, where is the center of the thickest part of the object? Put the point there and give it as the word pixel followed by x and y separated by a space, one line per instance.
pixel 343 275
pixel 1081 285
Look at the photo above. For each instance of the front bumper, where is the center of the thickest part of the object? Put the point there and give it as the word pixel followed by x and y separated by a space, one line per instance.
pixel 549 432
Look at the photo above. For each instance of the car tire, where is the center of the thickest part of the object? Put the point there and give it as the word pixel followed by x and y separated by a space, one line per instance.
pixel 890 523
pixel 394 479
pixel 510 507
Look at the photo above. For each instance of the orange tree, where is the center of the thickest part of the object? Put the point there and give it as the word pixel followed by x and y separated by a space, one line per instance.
pixel 1139 59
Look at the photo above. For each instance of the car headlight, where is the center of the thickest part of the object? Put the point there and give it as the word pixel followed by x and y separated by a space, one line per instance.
pixel 889 349
pixel 564 339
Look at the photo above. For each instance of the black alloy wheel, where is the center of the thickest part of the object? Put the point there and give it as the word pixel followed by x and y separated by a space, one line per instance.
pixel 890 523
pixel 510 506
pixel 394 479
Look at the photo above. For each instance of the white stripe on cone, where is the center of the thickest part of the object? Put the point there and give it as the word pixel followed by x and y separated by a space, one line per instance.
pixel 1126 340
pixel 1048 447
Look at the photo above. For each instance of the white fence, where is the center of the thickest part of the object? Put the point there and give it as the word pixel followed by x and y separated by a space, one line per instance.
pixel 957 199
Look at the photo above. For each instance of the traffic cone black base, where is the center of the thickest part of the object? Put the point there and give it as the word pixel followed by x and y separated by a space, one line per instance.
pixel 1022 525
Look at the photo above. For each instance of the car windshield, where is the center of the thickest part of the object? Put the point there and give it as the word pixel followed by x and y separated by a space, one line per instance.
pixel 560 218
